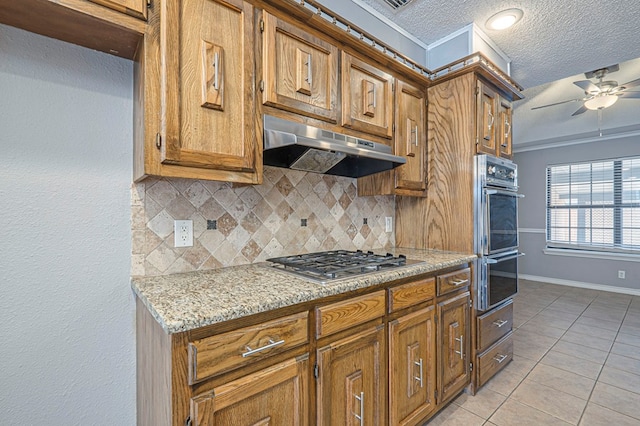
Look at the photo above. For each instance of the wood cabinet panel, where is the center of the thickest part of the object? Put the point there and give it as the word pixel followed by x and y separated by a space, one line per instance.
pixel 453 281
pixel 343 315
pixel 504 130
pixel 412 367
pixel 300 70
pixel 209 92
pixel 277 395
pixel 224 352
pixel 494 359
pixel 493 325
pixel 486 119
pixel 367 97
pixel 351 380
pixel 412 293
pixel 411 140
pixel 136 8
pixel 454 340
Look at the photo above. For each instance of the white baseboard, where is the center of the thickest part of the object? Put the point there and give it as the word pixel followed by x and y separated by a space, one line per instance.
pixel 591 286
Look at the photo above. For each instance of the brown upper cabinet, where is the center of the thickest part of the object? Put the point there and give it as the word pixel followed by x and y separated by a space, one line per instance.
pixel 367 97
pixel 135 8
pixel 493 122
pixel 206 125
pixel 300 70
pixel 410 142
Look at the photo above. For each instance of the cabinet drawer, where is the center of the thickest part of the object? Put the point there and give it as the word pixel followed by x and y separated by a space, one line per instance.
pixel 494 324
pixel 342 315
pixel 228 351
pixel 494 359
pixel 406 295
pixel 454 281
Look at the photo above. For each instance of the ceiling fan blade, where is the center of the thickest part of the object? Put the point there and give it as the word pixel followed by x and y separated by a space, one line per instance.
pixel 630 84
pixel 587 86
pixel 557 103
pixel 629 95
pixel 580 111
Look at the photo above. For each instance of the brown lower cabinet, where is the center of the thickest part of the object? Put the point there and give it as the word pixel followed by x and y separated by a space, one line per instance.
pixel 390 356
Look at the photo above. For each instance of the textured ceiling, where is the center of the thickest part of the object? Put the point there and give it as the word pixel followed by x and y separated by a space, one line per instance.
pixel 555 38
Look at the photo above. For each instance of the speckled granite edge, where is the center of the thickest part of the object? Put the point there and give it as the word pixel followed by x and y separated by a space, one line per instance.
pixel 182 302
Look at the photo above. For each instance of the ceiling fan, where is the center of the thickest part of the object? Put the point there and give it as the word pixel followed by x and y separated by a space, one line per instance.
pixel 601 94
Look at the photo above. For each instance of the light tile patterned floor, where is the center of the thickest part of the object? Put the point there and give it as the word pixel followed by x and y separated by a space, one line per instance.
pixel 576 362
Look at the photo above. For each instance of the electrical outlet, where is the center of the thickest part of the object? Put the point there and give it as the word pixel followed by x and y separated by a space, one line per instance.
pixel 388 224
pixel 622 275
pixel 183 233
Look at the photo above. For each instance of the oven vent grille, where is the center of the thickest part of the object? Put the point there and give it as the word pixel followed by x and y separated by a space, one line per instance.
pixel 397 4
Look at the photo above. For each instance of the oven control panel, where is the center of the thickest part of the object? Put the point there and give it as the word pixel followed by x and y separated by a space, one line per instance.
pixel 500 172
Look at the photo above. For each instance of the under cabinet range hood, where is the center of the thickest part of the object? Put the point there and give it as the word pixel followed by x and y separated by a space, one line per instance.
pixel 303 147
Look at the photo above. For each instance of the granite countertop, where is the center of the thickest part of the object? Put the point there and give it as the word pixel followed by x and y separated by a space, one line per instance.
pixel 182 302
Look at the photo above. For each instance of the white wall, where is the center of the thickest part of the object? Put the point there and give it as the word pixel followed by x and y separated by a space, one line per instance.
pixel 67 355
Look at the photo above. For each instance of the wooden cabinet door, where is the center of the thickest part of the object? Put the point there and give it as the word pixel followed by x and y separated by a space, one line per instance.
pixel 136 8
pixel 412 367
pixel 300 70
pixel 275 396
pixel 453 340
pixel 505 129
pixel 411 139
pixel 367 97
pixel 486 119
pixel 351 380
pixel 208 97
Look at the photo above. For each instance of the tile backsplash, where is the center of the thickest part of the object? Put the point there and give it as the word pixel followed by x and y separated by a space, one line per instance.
pixel 292 212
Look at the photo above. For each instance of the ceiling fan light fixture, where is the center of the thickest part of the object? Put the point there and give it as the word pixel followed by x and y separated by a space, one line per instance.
pixel 600 102
pixel 504 19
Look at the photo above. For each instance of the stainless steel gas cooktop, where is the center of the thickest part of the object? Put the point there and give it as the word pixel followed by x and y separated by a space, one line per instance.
pixel 327 266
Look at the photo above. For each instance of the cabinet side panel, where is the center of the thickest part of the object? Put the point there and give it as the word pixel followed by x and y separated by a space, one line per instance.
pixel 153 358
pixel 450 169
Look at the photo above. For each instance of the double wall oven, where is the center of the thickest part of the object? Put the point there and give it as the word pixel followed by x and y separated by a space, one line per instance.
pixel 496 231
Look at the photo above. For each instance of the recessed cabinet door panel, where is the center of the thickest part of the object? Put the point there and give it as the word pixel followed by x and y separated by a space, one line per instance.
pixel 486 120
pixel 274 396
pixel 412 367
pixel 136 8
pixel 350 385
pixel 505 130
pixel 300 70
pixel 454 341
pixel 367 97
pixel 212 122
pixel 411 138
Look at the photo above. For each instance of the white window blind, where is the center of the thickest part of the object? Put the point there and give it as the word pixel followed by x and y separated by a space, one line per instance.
pixel 594 205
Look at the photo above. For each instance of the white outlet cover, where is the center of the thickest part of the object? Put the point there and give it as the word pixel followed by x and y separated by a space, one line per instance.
pixel 183 233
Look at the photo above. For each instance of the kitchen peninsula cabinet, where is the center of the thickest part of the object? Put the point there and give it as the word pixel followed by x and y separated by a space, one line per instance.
pixel 300 70
pixel 200 119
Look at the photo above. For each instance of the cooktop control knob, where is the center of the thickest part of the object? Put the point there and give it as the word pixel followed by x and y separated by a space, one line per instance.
pixel 491 170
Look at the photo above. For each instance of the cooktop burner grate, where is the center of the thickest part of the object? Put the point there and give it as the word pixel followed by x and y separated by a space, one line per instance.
pixel 331 265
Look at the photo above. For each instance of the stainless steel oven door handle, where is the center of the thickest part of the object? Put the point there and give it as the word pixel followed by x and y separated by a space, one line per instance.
pixel 500 259
pixel 500 192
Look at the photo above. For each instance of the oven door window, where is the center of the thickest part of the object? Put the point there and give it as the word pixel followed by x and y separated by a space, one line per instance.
pixel 502 282
pixel 503 221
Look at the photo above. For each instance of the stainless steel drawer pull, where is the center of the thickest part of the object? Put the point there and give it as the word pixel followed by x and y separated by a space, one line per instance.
pixel 500 323
pixel 461 340
pixel 500 358
pixel 459 282
pixel 419 378
pixel 272 344
pixel 361 415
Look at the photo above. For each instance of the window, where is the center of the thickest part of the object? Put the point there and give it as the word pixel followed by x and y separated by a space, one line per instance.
pixel 595 205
